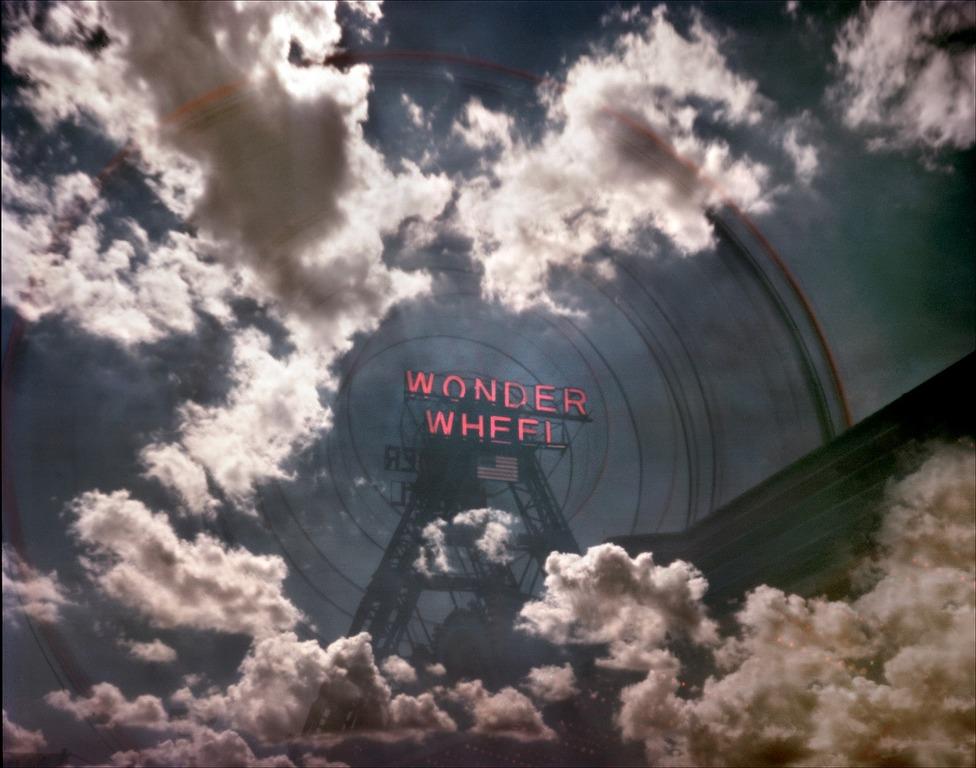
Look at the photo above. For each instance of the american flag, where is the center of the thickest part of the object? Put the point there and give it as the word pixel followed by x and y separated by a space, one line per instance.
pixel 499 468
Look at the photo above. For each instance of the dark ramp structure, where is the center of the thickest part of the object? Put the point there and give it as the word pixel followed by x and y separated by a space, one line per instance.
pixel 801 529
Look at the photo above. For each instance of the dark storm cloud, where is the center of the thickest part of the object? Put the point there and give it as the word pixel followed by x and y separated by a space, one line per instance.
pixel 256 150
pixel 276 166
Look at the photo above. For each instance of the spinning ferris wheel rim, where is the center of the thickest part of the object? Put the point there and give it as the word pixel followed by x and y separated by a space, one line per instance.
pixel 350 57
pixel 675 393
pixel 71 673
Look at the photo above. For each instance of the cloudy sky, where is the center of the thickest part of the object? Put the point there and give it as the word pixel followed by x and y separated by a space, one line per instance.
pixel 228 230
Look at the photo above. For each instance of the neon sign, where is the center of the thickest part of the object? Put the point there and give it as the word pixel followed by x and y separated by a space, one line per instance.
pixel 495 411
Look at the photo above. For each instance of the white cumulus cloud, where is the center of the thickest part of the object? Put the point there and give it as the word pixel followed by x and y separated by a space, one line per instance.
pixel 593 178
pixel 273 409
pixel 494 529
pixel 551 683
pixel 432 556
pixel 802 154
pixel 281 677
pixel 16 738
pixel 263 154
pixel 630 605
pixel 884 677
pixel 154 652
pixel 200 748
pixel 488 530
pixel 173 467
pixel 28 591
pixel 480 128
pixel 908 73
pixel 398 670
pixel 135 557
pixel 56 260
pixel 107 706
pixel 506 713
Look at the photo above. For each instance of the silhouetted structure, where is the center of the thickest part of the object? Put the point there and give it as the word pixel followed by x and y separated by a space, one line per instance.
pixel 801 529
pixel 450 475
pixel 36 759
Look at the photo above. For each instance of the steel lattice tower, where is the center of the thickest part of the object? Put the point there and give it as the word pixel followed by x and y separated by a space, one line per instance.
pixel 445 481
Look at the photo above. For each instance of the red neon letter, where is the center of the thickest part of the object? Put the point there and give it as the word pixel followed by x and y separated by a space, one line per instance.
pixel 524 427
pixel 417 381
pixel 481 390
pixel 440 423
pixel 477 425
pixel 578 402
pixel 495 426
pixel 508 395
pixel 446 386
pixel 544 393
pixel 548 433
